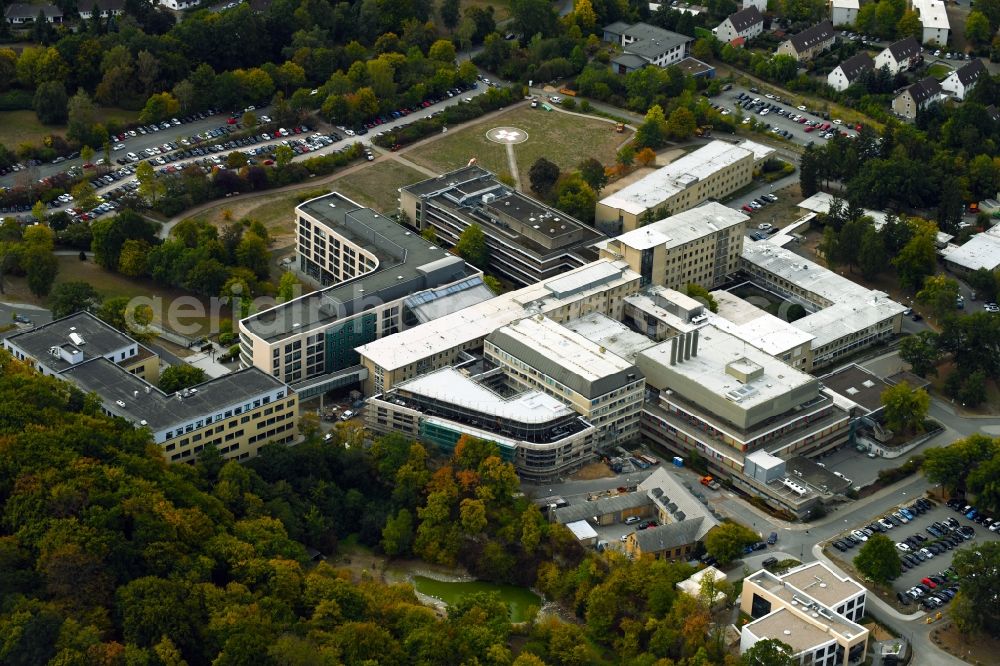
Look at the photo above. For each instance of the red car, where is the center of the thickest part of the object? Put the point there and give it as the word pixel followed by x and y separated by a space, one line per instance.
pixel 747 208
pixel 928 582
pixel 231 121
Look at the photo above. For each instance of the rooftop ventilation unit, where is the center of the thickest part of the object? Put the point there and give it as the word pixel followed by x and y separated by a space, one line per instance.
pixel 77 339
pixel 120 403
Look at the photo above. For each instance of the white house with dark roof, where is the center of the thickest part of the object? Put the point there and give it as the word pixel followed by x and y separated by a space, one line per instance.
pixel 746 23
pixel 964 79
pixel 900 56
pixel 847 72
pixel 844 12
pixel 643 44
pixel 808 43
pixel 105 8
pixel 916 97
pixel 761 5
pixel 20 13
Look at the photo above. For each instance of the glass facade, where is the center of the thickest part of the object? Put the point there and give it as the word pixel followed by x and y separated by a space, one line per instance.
pixel 342 340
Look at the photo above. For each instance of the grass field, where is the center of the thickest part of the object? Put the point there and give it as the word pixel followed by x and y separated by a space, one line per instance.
pixel 560 138
pixel 109 285
pixel 17 127
pixel 939 70
pixel 373 186
pixel 376 185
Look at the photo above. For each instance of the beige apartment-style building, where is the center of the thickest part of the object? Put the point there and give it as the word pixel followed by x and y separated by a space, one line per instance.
pixel 539 353
pixel 601 286
pixel 812 609
pixel 700 246
pixel 237 413
pixel 712 172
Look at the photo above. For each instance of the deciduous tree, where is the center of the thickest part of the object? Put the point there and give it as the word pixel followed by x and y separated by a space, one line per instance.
pixel 471 246
pixel 727 541
pixel 940 294
pixel 769 652
pixel 543 175
pixel 921 352
pixel 878 560
pixel 71 297
pixel 905 407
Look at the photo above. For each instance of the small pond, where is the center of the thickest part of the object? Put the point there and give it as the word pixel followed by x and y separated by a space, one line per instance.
pixel 518 599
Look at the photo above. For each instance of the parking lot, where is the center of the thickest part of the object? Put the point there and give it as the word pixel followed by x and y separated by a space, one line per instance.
pixel 778 116
pixel 917 529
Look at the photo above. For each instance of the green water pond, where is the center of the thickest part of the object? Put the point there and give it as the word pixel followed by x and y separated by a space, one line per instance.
pixel 518 599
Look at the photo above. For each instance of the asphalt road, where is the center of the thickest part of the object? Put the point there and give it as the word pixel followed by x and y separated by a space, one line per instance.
pixel 37 315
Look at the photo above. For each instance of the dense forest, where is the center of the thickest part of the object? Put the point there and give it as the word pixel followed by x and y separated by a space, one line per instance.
pixel 108 555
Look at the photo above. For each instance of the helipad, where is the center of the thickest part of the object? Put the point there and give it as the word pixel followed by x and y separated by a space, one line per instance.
pixel 508 135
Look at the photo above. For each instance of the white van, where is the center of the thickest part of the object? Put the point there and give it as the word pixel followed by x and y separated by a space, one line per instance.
pixel 346 416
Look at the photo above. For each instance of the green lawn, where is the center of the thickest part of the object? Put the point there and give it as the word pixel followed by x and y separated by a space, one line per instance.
pixel 560 138
pixel 376 186
pixel 939 70
pixel 109 285
pixel 16 127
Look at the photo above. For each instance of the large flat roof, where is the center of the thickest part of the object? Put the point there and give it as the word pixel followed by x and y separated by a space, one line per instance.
pixel 126 395
pixel 478 321
pixel 407 263
pixel 787 627
pixel 566 356
pixel 717 350
pixel 758 327
pixel 450 385
pixel 91 336
pixel 433 303
pixel 610 334
pixel 683 228
pixel 475 193
pixel 848 307
pixel 980 251
pixel 933 13
pixel 822 584
pixel 759 150
pixel 664 183
pixel 857 385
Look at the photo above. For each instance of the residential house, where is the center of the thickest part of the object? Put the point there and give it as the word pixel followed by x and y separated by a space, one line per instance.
pixel 178 5
pixel 643 44
pixel 20 13
pixel 934 19
pixel 900 56
pixel 104 8
pixel 761 5
pixel 844 12
pixel 746 23
pixel 849 71
pixel 916 97
pixel 964 79
pixel 808 43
